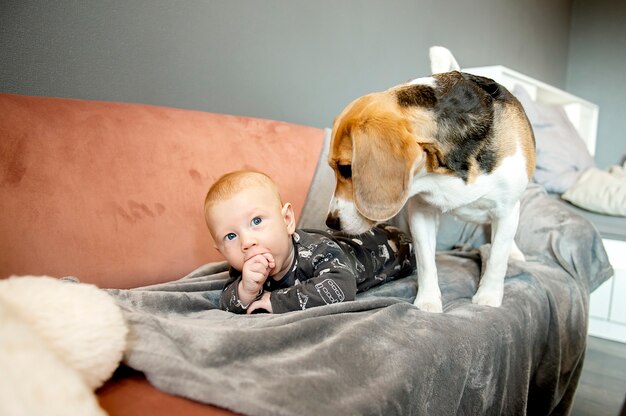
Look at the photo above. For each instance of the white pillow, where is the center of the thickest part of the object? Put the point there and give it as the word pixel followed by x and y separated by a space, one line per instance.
pixel 600 191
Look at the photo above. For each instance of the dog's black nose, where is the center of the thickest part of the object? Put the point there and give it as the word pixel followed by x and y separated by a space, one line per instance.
pixel 333 222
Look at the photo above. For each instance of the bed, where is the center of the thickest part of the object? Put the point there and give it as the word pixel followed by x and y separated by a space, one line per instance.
pixel 379 354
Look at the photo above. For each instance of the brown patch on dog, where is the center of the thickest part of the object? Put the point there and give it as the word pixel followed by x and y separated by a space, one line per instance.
pixel 416 95
pixel 513 128
pixel 528 139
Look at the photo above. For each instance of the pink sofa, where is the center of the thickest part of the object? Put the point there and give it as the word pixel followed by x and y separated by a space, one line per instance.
pixel 113 193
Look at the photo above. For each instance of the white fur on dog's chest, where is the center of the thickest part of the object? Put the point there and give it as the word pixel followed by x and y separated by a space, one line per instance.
pixel 480 201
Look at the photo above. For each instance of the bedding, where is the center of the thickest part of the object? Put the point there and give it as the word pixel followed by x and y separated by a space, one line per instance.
pixel 609 226
pixel 379 354
pixel 561 153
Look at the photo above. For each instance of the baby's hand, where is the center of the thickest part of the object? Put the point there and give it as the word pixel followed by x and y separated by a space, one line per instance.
pixel 254 273
pixel 262 304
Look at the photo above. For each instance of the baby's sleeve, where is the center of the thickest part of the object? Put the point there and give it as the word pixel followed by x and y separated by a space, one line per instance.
pixel 229 299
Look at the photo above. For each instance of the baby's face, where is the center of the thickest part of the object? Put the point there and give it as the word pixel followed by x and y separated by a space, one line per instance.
pixel 249 223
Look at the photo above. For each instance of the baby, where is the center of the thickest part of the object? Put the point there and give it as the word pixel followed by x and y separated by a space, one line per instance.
pixel 277 268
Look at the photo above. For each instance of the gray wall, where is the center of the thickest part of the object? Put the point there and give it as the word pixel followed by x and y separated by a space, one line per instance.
pixel 597 71
pixel 298 60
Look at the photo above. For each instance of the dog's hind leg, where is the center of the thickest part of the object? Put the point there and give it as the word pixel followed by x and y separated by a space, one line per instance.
pixel 491 287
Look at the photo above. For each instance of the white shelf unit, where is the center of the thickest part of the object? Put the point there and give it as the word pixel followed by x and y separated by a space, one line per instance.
pixel 607 307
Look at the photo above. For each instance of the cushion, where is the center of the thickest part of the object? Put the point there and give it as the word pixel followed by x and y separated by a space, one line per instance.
pixel 561 153
pixel 82 324
pixel 321 191
pixel 35 380
pixel 600 191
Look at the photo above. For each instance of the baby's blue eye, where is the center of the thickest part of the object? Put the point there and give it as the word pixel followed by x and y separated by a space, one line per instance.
pixel 231 236
pixel 256 221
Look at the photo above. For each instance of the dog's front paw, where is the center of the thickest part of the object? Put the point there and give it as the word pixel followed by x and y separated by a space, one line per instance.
pixel 429 302
pixel 488 297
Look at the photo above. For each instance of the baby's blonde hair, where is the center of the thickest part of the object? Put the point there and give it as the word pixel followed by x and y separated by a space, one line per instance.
pixel 231 183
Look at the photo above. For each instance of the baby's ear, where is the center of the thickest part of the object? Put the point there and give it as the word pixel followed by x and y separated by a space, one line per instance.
pixel 289 217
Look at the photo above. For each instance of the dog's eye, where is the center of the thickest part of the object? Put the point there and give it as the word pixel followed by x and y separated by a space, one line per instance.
pixel 345 171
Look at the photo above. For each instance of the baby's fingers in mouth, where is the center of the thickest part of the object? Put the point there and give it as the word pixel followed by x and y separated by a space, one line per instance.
pixel 257 251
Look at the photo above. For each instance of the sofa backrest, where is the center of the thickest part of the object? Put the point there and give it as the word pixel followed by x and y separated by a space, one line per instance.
pixel 113 193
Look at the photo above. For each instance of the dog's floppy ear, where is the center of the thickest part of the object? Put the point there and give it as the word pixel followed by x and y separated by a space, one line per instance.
pixel 382 169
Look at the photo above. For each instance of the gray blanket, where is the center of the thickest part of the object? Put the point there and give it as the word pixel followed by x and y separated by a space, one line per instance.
pixel 379 355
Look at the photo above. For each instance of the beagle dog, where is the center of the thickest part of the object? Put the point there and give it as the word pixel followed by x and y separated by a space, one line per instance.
pixel 451 142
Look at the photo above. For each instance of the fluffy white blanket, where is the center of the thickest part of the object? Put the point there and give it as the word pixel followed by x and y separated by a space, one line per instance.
pixel 59 341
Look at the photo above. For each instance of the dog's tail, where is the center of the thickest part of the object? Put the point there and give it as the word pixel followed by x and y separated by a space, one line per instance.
pixel 442 60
